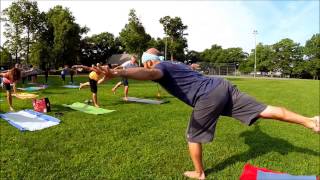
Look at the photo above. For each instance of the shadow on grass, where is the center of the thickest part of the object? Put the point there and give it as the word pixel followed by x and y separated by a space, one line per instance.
pixel 259 144
pixel 50 92
pixel 59 108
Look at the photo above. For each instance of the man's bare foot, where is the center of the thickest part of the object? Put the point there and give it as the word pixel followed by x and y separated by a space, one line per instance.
pixel 125 98
pixel 11 109
pixel 316 124
pixel 81 85
pixel 96 105
pixel 195 175
pixel 113 90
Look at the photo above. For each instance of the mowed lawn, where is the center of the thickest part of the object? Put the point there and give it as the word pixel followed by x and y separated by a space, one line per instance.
pixel 140 141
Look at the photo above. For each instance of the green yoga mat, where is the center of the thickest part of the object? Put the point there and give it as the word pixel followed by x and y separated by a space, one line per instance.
pixel 87 108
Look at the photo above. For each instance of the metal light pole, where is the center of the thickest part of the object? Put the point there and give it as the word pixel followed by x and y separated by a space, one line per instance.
pixel 165 50
pixel 255 32
pixel 165 47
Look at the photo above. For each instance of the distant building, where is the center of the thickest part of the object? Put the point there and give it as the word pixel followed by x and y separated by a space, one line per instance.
pixel 118 59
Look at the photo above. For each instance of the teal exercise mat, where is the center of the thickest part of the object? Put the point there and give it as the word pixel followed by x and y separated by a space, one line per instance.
pixel 87 108
pixel 33 88
pixel 146 101
pixel 71 86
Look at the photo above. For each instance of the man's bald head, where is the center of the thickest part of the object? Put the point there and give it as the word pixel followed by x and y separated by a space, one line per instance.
pixel 153 51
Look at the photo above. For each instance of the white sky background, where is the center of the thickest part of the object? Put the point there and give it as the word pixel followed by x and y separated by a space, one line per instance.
pixel 226 23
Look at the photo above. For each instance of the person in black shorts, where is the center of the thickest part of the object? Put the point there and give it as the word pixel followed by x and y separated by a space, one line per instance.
pixel 96 77
pixel 124 81
pixel 210 97
pixel 8 78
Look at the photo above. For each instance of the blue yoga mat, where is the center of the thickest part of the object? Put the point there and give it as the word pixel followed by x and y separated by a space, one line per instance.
pixel 29 120
pixel 275 176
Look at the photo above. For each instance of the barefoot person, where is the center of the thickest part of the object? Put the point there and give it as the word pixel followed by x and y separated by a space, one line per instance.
pixel 126 65
pixel 210 97
pixel 10 77
pixel 96 76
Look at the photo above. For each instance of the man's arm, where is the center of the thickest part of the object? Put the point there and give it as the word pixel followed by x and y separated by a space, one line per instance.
pixel 118 67
pixel 6 74
pixel 14 87
pixel 135 73
pixel 88 68
pixel 102 80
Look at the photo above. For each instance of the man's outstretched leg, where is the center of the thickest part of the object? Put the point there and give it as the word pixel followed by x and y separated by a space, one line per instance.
pixel 115 87
pixel 82 85
pixel 282 114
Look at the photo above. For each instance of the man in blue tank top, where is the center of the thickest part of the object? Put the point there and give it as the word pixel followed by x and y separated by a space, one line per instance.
pixel 210 97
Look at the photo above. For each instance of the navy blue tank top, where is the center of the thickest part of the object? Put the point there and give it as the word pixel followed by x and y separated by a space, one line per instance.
pixel 184 83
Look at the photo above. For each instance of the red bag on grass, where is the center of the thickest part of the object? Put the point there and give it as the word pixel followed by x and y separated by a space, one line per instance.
pixel 250 172
pixel 41 105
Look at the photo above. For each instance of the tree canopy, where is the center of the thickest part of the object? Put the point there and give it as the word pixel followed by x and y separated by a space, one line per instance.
pixel 54 38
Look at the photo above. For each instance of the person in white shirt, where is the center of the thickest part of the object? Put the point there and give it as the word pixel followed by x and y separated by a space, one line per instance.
pixel 126 65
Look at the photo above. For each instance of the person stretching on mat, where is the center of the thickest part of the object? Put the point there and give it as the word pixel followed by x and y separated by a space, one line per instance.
pixel 63 73
pixel 96 76
pixel 128 64
pixel 210 97
pixel 101 80
pixel 10 77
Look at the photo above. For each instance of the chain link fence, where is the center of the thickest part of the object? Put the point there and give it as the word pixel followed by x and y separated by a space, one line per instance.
pixel 220 69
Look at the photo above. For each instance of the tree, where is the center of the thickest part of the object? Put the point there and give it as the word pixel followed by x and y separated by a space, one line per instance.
pixel 157 43
pixel 25 22
pixel 98 48
pixel 312 52
pixel 133 35
pixel 174 28
pixel 66 34
pixel 193 56
pixel 5 57
pixel 13 29
pixel 212 54
pixel 232 55
pixel 288 55
pixel 265 57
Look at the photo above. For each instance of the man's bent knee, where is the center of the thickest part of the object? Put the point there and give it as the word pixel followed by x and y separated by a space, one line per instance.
pixel 273 112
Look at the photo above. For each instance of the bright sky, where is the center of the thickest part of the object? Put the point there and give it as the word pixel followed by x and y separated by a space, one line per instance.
pixel 226 23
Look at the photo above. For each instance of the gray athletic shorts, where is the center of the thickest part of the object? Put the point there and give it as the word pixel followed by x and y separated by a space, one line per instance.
pixel 224 100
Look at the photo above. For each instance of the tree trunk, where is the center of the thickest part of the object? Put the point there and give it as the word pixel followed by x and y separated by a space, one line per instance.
pixel 28 45
pixel 16 55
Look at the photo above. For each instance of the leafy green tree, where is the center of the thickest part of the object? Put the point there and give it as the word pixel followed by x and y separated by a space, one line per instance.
pixel 212 55
pixel 193 56
pixel 174 28
pixel 265 57
pixel 157 43
pixel 41 54
pixel 288 55
pixel 13 29
pixel 232 55
pixel 25 17
pixel 65 45
pixel 98 48
pixel 133 35
pixel 312 47
pixel 5 57
pixel 312 52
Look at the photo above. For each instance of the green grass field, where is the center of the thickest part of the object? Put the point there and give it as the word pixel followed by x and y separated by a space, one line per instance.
pixel 141 141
